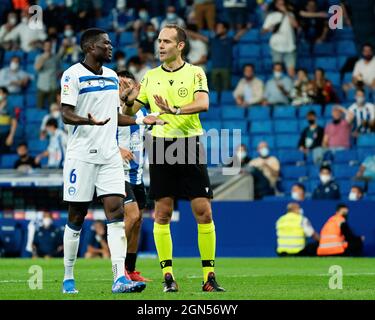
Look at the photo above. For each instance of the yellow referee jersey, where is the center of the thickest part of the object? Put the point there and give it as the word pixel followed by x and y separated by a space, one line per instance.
pixel 178 87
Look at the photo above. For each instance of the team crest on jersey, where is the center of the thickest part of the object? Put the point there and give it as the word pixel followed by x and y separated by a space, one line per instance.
pixel 72 191
pixel 101 83
pixel 182 92
pixel 67 78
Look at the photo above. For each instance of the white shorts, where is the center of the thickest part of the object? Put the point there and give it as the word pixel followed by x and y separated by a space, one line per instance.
pixel 81 178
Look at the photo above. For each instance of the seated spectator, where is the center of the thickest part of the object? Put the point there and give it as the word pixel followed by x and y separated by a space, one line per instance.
pixel 361 114
pixel 47 67
pixel 249 90
pixel 265 170
pixel 241 157
pixel 278 88
pixel 311 138
pixel 282 23
pixel 25 162
pixel 48 240
pixel 367 169
pixel 98 246
pixel 55 113
pixel 321 90
pixel 56 147
pixel 8 122
pixel 328 189
pixel 299 93
pixel 137 68
pixel 337 133
pixel 198 51
pixel 292 229
pixel 171 17
pixel 143 19
pixel 314 23
pixel 69 50
pixel 13 77
pixel 356 193
pixel 148 44
pixel 6 28
pixel 120 60
pixel 298 192
pixel 337 238
pixel 122 17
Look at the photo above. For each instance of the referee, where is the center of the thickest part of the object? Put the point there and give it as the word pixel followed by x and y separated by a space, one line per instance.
pixel 178 90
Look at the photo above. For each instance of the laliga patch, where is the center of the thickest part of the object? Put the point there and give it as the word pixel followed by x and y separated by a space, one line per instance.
pixel 66 89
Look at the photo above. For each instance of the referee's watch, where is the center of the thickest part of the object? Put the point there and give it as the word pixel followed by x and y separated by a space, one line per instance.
pixel 178 110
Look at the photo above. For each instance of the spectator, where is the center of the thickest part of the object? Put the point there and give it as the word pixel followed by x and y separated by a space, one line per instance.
pixel 143 19
pixel 282 23
pixel 122 17
pixel 148 44
pixel 56 147
pixel 241 157
pixel 292 229
pixel 321 90
pixel 8 122
pixel 30 37
pixel 98 246
pixel 328 189
pixel 237 13
pixel 249 90
pixel 197 49
pixel 25 162
pixel 314 23
pixel 6 28
pixel 278 88
pixel 205 14
pixel 299 93
pixel 137 68
pixel 171 17
pixel 311 138
pixel 55 113
pixel 298 192
pixel 336 237
pixel 48 240
pixel 265 166
pixel 366 170
pixel 337 133
pixel 69 50
pixel 13 77
pixel 47 66
pixel 355 194
pixel 120 60
pixel 361 114
pixel 364 69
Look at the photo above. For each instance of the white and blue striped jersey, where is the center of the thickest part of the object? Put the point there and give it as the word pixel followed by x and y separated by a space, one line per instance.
pixel 132 138
pixel 362 113
pixel 56 149
pixel 88 92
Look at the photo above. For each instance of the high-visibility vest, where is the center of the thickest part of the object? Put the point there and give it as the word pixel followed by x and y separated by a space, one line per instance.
pixel 20 4
pixel 290 234
pixel 332 240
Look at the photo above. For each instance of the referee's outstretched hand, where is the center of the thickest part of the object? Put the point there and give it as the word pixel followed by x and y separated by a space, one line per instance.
pixel 163 105
pixel 151 120
pixel 94 122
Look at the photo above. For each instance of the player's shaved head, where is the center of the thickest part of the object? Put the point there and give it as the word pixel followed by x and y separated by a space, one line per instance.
pixel 89 37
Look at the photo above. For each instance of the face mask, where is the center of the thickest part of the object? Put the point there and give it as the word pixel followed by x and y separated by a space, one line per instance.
pixel 353 196
pixel 25 20
pixel 1 98
pixel 132 69
pixel 68 33
pixel 311 121
pixel 241 155
pixel 56 114
pixel 277 74
pixel 325 178
pixel 171 16
pixel 296 196
pixel 336 121
pixel 264 152
pixel 121 62
pixel 151 34
pixel 47 222
pixel 143 15
pixel 14 66
pixel 12 21
pixel 360 100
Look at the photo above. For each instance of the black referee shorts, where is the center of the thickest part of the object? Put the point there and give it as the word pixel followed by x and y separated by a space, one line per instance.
pixel 135 193
pixel 178 169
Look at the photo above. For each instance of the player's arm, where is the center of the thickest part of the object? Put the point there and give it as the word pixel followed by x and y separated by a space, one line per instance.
pixel 128 96
pixel 70 117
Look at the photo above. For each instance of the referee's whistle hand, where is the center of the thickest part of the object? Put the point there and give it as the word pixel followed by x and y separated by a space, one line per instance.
pixel 94 122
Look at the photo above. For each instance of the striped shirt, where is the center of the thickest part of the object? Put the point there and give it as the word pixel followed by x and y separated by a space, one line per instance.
pixel 361 114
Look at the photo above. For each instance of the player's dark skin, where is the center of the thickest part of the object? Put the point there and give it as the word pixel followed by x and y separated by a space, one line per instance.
pixel 97 53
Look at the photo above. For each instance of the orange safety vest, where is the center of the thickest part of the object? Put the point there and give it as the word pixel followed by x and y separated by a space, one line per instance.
pixel 20 4
pixel 331 239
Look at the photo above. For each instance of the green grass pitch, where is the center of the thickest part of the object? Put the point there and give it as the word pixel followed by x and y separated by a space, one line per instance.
pixel 244 279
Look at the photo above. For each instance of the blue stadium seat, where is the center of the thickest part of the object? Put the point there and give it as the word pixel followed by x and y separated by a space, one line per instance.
pixel 9 54
pixel 211 114
pixel 238 124
pixel 347 184
pixel 304 110
pixel 255 139
pixel 265 37
pixel 306 63
pixel 126 38
pixel 293 172
pixel 290 156
pixel 232 112
pixel 213 97
pixel 266 50
pixel 284 112
pixel 37 146
pixel 328 64
pixel 363 153
pixel 130 52
pixel 11 237
pixel 324 49
pixel 328 110
pixel 286 126
pixel 249 50
pixel 31 56
pixel 113 37
pixel 211 124
pixel 313 171
pixel 345 156
pixel 259 113
pixel 227 97
pixel 343 171
pixel 334 77
pixel 341 60
pixel 366 140
pixel 344 34
pixel 16 100
pixel 346 48
pixel 30 100
pixel 267 65
pixel 287 141
pixel 286 185
pixel 371 188
pixel 260 127
pixel 32 130
pixel 312 184
pixel 35 115
pixel 347 77
pixel 250 36
pixel 8 160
